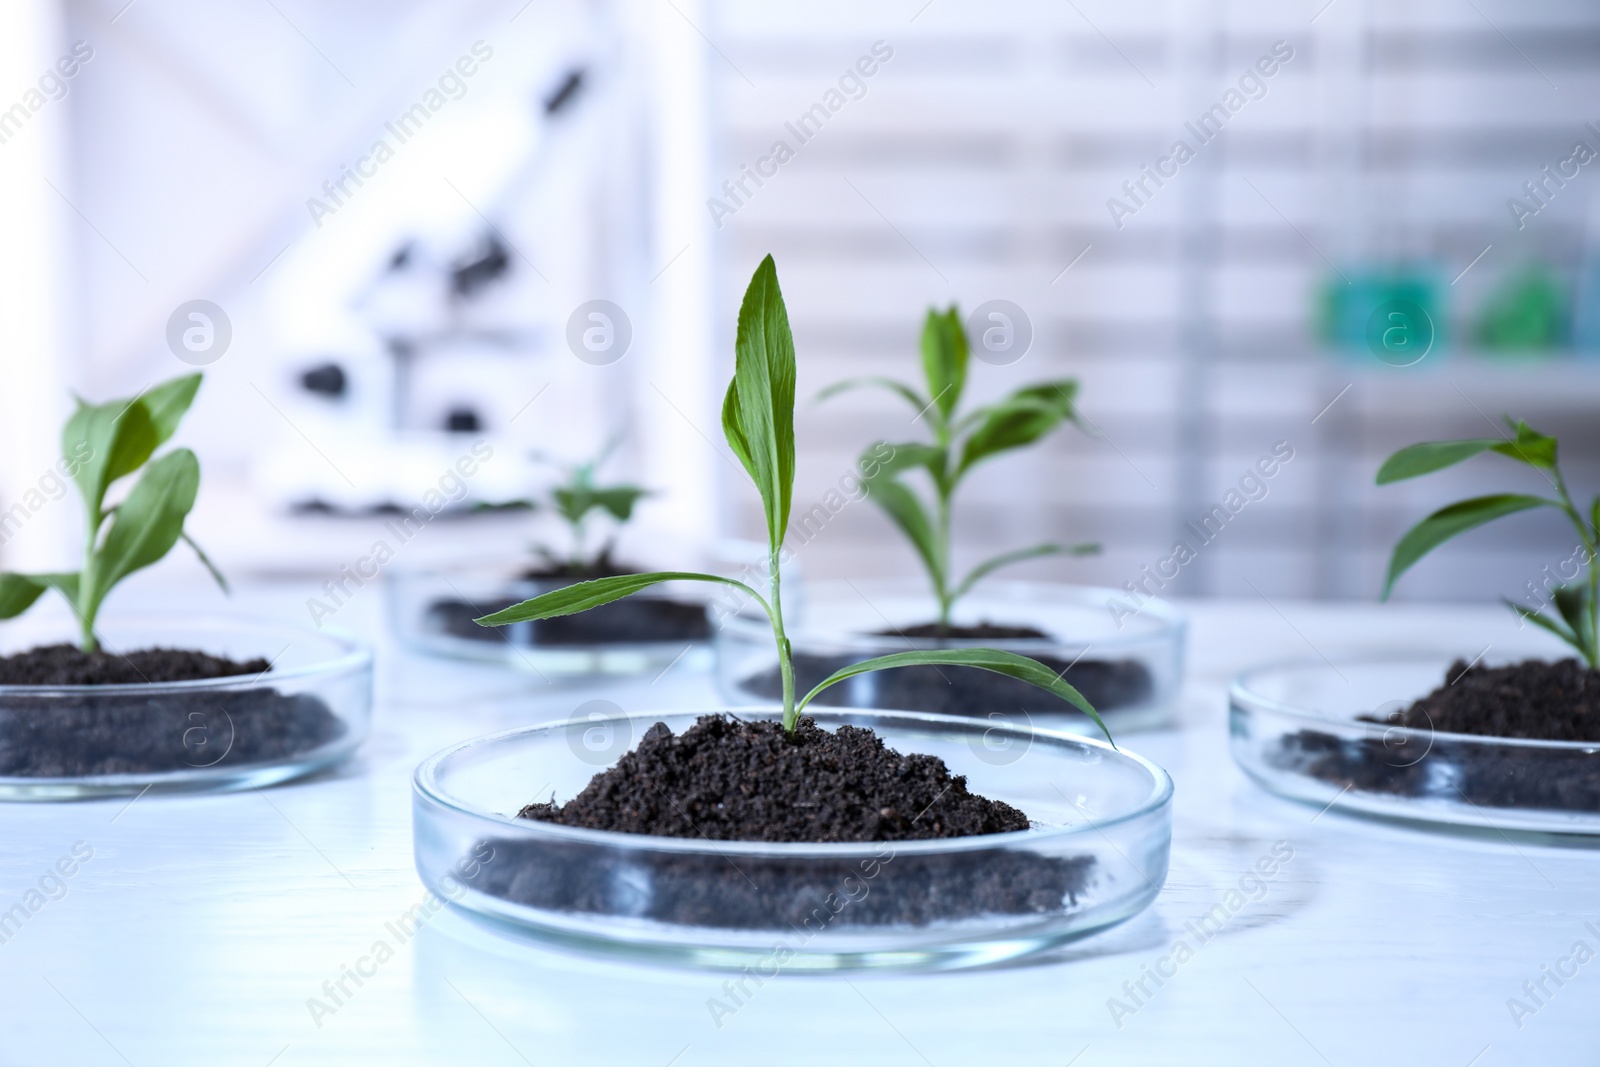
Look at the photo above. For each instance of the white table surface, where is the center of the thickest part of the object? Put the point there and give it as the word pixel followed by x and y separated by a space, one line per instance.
pixel 202 925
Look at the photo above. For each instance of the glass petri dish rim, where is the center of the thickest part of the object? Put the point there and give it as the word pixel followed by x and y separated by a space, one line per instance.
pixel 1169 621
pixel 1242 699
pixel 425 784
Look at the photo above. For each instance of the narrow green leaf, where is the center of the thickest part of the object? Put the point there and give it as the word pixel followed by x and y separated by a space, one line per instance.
pixel 1447 522
pixel 904 455
pixel 907 512
pixel 168 402
pixel 1019 420
pixel 581 596
pixel 1530 447
pixel 216 574
pixel 1415 460
pixel 758 413
pixel 1553 625
pixel 918 402
pixel 989 659
pixel 944 357
pixel 1033 399
pixel 1005 559
pixel 1572 601
pixel 19 591
pixel 147 524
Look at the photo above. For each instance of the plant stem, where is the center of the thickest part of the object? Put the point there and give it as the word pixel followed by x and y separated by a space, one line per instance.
pixel 1592 654
pixel 941 580
pixel 86 611
pixel 944 488
pixel 577 547
pixel 791 714
pixel 1591 651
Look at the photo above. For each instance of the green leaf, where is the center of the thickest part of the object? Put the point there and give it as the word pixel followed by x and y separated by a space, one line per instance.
pixel 944 357
pixel 147 524
pixel 899 502
pixel 216 574
pixel 168 402
pixel 63 582
pixel 581 596
pixel 1430 456
pixel 733 428
pixel 619 500
pixel 116 438
pixel 989 659
pixel 1447 522
pixel 903 456
pixel 1019 420
pixel 918 402
pixel 1527 614
pixel 758 412
pixel 107 441
pixel 907 512
pixel 1005 559
pixel 576 502
pixel 1572 601
pixel 1555 626
pixel 19 591
pixel 1530 447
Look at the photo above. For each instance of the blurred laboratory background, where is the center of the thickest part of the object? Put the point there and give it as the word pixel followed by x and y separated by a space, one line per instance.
pixel 391 231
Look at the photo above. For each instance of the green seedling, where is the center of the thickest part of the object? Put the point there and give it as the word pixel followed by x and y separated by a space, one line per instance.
pixel 575 499
pixel 959 443
pixel 758 422
pixel 104 443
pixel 1576 603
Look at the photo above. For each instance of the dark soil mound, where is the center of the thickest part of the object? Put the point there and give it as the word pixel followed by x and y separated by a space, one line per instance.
pixel 728 780
pixel 984 631
pixel 1532 699
pixel 636 620
pixel 602 566
pixel 70 665
pixel 47 736
pixel 723 779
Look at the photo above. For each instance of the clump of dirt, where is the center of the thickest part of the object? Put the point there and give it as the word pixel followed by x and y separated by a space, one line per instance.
pixel 729 780
pixel 983 631
pixel 70 665
pixel 1533 699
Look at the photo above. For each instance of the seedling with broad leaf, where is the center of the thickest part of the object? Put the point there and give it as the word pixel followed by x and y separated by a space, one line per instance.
pixel 575 499
pixel 1577 603
pixel 758 422
pixel 960 441
pixel 105 443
